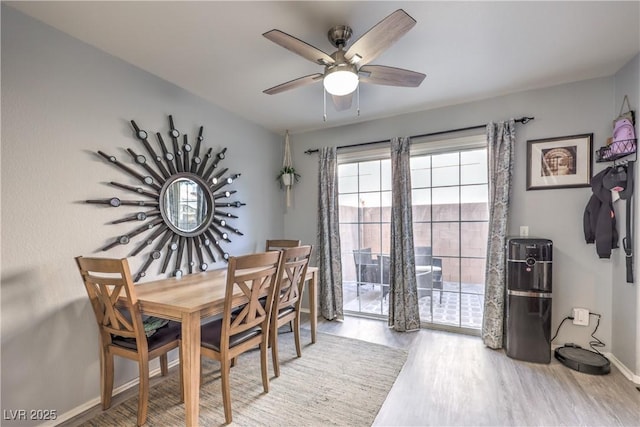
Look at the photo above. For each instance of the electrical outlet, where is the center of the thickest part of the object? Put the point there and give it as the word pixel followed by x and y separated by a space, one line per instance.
pixel 524 230
pixel 581 316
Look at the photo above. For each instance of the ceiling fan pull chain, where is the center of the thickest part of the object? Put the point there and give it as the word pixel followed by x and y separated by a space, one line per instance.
pixel 324 102
pixel 358 98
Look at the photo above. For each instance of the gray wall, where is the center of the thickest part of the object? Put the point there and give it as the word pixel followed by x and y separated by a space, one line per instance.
pixel 580 278
pixel 62 100
pixel 626 297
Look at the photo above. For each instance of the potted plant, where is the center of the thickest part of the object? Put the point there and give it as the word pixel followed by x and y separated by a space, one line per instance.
pixel 287 176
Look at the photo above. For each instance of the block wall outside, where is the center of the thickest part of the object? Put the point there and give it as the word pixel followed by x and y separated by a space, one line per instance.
pixel 451 238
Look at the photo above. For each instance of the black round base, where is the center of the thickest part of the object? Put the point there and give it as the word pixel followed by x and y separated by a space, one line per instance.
pixel 582 360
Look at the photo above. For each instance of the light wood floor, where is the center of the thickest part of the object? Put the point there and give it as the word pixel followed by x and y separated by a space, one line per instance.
pixel 454 380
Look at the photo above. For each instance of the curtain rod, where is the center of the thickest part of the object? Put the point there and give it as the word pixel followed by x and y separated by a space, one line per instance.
pixel 522 120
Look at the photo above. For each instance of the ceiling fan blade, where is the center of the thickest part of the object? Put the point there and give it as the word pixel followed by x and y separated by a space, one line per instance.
pixel 299 47
pixel 390 76
pixel 302 81
pixel 342 102
pixel 380 37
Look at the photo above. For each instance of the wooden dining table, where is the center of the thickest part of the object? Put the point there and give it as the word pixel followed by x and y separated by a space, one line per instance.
pixel 190 299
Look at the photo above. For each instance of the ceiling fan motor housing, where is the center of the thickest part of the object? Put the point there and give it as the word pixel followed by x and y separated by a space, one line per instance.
pixel 339 35
pixel 341 62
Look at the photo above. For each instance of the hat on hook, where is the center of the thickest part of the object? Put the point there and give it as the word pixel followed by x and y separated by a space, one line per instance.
pixel 628 189
pixel 616 178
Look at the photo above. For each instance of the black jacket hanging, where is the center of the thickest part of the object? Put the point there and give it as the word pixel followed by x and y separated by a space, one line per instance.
pixel 600 219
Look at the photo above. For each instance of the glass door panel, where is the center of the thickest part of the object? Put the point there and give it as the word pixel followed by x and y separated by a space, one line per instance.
pixel 450 214
pixel 456 231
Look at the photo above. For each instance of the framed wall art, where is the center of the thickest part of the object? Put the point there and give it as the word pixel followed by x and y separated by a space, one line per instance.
pixel 562 162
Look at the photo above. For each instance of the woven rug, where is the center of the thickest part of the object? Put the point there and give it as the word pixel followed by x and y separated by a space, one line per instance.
pixel 337 381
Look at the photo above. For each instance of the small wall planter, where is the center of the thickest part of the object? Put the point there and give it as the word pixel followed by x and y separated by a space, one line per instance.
pixel 287 177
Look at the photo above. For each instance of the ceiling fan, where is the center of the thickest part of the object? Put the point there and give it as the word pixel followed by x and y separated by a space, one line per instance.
pixel 344 70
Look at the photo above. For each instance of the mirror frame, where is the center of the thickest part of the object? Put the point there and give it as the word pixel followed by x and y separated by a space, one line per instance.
pixel 182 161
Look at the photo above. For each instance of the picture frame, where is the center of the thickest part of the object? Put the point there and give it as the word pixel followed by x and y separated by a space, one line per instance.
pixel 561 162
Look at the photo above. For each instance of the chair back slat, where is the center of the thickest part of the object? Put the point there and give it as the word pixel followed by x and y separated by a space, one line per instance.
pixel 110 288
pixel 255 275
pixel 294 269
pixel 277 244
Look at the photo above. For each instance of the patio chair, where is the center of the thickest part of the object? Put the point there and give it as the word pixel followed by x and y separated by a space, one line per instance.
pixel 428 270
pixel 367 270
pixel 422 277
pixel 385 263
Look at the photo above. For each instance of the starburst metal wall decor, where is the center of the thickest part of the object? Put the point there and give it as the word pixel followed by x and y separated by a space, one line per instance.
pixel 183 193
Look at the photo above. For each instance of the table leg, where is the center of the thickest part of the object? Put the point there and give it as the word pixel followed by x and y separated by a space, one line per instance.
pixel 313 294
pixel 191 366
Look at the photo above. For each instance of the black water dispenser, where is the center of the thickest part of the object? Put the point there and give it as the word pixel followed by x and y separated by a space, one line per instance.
pixel 528 299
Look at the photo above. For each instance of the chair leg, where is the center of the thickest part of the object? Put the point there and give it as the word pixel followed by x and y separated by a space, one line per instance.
pixel 143 391
pixel 164 365
pixel 106 378
pixel 201 373
pixel 181 377
pixel 225 369
pixel 273 339
pixel 264 364
pixel 296 334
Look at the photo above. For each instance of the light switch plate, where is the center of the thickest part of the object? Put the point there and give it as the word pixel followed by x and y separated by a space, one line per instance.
pixel 524 230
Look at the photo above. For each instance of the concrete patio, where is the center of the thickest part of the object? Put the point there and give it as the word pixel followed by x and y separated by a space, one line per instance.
pixel 460 307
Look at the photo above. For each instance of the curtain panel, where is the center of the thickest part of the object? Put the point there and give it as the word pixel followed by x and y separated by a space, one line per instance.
pixel 328 236
pixel 500 148
pixel 403 292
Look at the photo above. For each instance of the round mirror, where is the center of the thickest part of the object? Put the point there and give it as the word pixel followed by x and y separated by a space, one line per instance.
pixel 186 204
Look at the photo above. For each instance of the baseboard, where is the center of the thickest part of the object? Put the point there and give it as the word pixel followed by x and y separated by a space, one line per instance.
pixel 93 402
pixel 622 368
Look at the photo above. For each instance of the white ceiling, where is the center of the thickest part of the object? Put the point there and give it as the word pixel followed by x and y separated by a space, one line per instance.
pixel 468 50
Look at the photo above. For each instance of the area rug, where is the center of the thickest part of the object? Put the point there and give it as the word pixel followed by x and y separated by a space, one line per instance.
pixel 337 381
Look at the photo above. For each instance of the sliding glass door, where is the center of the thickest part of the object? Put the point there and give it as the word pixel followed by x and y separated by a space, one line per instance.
pixel 450 216
pixel 365 204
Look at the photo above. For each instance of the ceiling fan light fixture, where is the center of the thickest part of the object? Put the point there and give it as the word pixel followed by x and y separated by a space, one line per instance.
pixel 340 82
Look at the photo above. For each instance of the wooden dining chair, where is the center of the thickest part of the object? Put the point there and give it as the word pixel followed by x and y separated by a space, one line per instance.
pixel 286 306
pixel 122 330
pixel 277 244
pixel 251 283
